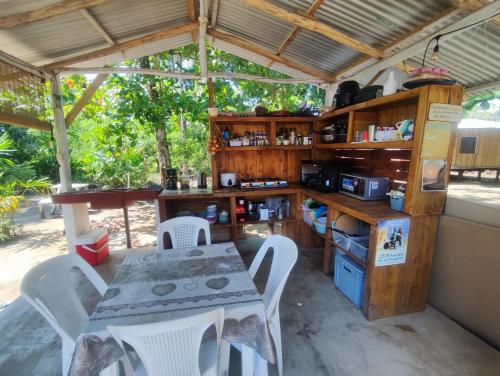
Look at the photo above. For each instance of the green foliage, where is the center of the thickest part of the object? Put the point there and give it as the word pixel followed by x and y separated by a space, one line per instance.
pixel 479 107
pixel 112 141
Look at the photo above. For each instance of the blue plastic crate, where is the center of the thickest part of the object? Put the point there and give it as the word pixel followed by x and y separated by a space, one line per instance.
pixel 349 277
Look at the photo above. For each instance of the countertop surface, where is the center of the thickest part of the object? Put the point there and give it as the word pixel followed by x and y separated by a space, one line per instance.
pixel 368 211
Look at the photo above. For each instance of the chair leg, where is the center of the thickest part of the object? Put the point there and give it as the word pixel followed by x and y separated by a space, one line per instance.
pixel 67 354
pixel 247 361
pixel 275 329
pixel 224 354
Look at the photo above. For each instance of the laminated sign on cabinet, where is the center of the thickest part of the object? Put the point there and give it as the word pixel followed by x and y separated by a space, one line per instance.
pixel 392 241
pixel 445 112
pixel 436 140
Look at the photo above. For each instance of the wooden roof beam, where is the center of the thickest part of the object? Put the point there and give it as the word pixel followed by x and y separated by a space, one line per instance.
pixel 215 13
pixel 313 25
pixel 432 23
pixel 252 47
pixel 457 28
pixel 472 6
pixel 25 122
pixel 119 47
pixel 52 10
pixel 296 29
pixel 96 25
pixel 192 17
pixel 85 98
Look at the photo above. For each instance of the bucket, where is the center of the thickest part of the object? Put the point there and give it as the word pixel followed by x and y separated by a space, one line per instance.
pixel 397 203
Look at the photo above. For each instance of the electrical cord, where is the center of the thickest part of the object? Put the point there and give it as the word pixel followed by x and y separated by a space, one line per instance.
pixel 437 37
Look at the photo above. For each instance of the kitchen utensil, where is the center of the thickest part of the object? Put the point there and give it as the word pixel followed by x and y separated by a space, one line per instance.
pixel 371 133
pixel 228 179
pixel 202 180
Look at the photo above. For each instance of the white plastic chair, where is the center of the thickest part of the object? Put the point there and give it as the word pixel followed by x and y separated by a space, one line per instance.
pixel 284 258
pixel 184 231
pixel 172 348
pixel 47 287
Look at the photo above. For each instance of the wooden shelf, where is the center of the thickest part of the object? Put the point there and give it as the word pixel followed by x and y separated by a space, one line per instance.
pixel 262 119
pixel 381 101
pixel 261 148
pixel 271 221
pixel 368 145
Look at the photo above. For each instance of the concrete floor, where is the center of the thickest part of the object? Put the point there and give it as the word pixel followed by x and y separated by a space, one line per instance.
pixel 322 335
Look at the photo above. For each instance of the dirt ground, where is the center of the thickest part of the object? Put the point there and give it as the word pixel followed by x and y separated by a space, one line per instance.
pixel 41 239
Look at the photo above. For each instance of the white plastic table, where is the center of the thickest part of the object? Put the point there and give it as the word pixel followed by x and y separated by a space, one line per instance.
pixel 153 286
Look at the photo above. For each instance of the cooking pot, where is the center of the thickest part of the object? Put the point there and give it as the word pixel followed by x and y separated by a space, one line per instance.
pixel 228 179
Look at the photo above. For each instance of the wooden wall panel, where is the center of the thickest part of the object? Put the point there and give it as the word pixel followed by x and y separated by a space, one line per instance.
pixel 487 149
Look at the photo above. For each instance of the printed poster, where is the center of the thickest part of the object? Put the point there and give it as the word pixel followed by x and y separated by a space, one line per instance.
pixel 436 140
pixel 392 241
pixel 433 175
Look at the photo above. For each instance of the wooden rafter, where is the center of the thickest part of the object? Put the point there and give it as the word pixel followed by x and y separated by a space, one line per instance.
pixel 438 18
pixel 21 121
pixel 473 5
pixel 447 32
pixel 85 98
pixel 192 17
pixel 187 76
pixel 153 37
pixel 313 25
pixel 56 9
pixel 96 25
pixel 296 29
pixel 215 12
pixel 250 46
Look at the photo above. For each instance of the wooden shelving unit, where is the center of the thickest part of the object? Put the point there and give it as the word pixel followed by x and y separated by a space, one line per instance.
pixel 389 290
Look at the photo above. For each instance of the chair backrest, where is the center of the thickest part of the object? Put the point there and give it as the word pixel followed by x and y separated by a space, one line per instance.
pixel 48 287
pixel 284 258
pixel 184 231
pixel 170 347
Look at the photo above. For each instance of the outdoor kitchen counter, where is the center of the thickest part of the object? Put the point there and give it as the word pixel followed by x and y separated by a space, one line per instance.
pixel 368 211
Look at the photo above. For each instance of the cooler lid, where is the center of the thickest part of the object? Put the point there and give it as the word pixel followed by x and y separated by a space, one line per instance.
pixel 91 237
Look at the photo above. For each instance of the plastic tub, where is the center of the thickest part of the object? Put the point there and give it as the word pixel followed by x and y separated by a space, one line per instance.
pixel 358 246
pixel 320 225
pixel 340 239
pixel 349 277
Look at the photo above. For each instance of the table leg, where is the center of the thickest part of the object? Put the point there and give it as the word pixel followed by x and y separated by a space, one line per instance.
pixel 127 227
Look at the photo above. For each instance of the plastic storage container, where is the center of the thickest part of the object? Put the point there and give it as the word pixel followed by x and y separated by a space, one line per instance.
pixel 397 203
pixel 93 246
pixel 340 239
pixel 349 277
pixel 358 246
pixel 320 225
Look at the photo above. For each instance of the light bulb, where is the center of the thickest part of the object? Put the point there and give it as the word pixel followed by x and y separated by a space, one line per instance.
pixel 435 53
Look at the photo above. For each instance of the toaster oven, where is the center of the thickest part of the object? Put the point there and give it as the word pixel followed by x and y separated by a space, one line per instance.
pixel 321 175
pixel 364 187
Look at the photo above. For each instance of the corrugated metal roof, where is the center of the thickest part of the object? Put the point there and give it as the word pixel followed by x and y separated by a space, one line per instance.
pixel 473 57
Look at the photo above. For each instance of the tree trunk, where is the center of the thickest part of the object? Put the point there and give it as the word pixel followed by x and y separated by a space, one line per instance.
pixel 162 152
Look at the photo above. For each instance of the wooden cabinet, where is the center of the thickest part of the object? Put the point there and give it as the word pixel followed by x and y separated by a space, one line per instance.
pixel 389 290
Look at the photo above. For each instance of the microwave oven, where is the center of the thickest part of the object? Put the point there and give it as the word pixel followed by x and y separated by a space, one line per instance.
pixel 321 175
pixel 364 187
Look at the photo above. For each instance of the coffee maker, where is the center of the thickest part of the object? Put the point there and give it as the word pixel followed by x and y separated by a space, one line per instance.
pixel 171 179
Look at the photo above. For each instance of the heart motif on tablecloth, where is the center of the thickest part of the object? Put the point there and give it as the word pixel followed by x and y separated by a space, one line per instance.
pixel 162 290
pixel 194 252
pixel 111 293
pixel 217 283
pixel 191 286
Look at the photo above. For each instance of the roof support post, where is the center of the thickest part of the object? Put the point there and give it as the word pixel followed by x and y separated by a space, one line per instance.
pixel 202 33
pixel 330 93
pixel 61 137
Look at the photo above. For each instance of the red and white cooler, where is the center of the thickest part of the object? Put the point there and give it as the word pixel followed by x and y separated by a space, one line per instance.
pixel 93 246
